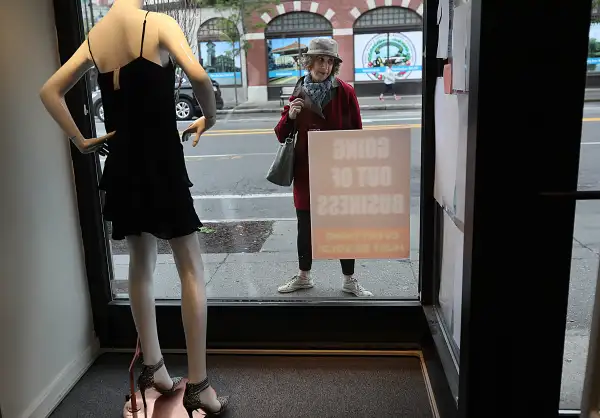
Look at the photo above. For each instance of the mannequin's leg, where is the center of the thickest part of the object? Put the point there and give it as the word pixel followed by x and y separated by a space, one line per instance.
pixel 188 258
pixel 142 261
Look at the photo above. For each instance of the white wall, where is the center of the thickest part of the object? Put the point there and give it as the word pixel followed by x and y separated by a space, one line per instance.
pixel 46 332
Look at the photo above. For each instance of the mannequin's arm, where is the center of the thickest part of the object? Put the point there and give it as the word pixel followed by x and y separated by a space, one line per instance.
pixel 172 38
pixel 53 97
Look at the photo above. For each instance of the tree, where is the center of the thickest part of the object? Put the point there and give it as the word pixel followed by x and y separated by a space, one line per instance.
pixel 237 14
pixel 595 11
pixel 186 13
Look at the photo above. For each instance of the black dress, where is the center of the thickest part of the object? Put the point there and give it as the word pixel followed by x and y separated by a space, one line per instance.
pixel 145 178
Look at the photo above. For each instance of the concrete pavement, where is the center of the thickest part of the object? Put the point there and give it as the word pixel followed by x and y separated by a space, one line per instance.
pixel 257 275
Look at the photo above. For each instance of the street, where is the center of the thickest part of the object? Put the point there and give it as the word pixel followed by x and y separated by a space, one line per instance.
pixel 229 165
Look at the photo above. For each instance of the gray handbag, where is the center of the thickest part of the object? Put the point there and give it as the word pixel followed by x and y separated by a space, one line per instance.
pixel 281 172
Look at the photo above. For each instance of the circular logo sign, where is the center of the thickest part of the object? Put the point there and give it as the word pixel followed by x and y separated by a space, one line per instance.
pixel 381 49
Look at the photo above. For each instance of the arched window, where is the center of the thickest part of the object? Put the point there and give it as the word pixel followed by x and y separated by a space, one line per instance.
pixel 217 29
pixel 386 19
pixel 299 24
pixel 219 51
pixel 288 37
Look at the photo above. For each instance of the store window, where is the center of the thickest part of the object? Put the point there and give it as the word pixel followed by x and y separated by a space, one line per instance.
pixel 219 51
pixel 388 35
pixel 288 37
pixel 250 233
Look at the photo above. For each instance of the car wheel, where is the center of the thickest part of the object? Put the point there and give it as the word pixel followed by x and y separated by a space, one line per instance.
pixel 184 110
pixel 220 103
pixel 100 111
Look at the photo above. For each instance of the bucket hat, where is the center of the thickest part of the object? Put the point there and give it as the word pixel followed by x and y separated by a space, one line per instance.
pixel 323 46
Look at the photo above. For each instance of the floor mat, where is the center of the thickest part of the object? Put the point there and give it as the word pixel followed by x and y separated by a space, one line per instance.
pixel 273 386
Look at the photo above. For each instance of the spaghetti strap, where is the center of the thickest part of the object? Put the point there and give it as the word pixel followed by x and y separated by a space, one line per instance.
pixel 91 55
pixel 143 34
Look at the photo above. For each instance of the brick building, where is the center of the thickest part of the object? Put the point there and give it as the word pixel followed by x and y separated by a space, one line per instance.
pixel 370 33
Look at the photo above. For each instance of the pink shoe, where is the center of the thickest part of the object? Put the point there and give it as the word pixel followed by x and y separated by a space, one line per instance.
pixel 396 97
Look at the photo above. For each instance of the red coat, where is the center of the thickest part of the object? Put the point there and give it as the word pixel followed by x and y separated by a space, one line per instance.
pixel 340 112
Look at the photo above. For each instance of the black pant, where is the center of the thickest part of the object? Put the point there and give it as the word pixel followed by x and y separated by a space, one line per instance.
pixel 389 88
pixel 305 245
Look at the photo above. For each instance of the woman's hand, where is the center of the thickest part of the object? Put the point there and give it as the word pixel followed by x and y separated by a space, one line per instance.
pixel 197 128
pixel 99 145
pixel 295 108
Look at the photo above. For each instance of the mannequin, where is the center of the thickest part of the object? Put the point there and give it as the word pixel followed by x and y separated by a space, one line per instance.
pixel 114 48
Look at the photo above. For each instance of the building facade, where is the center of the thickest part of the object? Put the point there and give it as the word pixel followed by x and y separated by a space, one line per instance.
pixel 370 33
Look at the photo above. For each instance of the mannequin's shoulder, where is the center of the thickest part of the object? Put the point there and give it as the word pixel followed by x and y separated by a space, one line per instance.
pixel 163 19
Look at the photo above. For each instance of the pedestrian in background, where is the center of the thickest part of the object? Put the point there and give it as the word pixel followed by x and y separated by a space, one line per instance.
pixel 320 102
pixel 389 81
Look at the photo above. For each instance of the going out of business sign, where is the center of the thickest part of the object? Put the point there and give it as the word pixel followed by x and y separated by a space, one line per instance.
pixel 360 193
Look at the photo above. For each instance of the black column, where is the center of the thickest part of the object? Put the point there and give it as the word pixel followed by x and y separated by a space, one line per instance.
pixel 527 81
pixel 68 18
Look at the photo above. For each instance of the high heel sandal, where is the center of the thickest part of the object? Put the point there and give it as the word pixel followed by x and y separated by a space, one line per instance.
pixel 146 381
pixel 192 402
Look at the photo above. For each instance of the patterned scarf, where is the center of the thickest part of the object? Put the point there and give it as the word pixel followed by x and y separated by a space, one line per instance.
pixel 317 91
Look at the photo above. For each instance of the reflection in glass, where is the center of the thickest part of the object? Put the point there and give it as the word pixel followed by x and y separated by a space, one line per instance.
pixel 283 59
pixel 249 237
pixel 594 48
pixel 222 62
pixel 372 53
pixel 584 270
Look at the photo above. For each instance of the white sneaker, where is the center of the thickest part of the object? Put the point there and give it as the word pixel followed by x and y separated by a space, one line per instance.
pixel 296 283
pixel 352 285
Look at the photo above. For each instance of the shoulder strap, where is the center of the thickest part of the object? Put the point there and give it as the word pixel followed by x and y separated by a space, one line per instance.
pixel 143 34
pixel 91 55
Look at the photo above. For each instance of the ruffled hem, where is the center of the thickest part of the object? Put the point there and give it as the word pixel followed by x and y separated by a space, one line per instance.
pixel 166 215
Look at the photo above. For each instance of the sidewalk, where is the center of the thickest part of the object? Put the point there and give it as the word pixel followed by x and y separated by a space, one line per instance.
pixel 366 103
pixel 257 275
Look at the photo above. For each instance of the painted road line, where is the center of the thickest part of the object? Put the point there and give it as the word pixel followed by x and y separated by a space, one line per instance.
pixel 222 156
pixel 240 196
pixel 387 120
pixel 368 128
pixel 271 132
pixel 250 154
pixel 259 154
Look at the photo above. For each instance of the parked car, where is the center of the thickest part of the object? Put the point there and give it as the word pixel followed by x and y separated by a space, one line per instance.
pixel 186 106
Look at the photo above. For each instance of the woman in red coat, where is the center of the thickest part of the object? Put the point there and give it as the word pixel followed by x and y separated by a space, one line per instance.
pixel 320 102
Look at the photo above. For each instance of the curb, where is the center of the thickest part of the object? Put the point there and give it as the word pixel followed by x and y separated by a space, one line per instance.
pixel 365 107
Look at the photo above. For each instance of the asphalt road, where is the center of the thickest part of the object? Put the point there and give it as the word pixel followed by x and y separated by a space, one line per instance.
pixel 228 166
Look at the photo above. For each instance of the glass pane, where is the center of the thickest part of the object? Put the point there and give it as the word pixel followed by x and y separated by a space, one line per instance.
pixel 283 57
pixel 584 270
pixel 250 228
pixel 219 51
pixel 451 120
pixel 374 52
pixel 586 240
